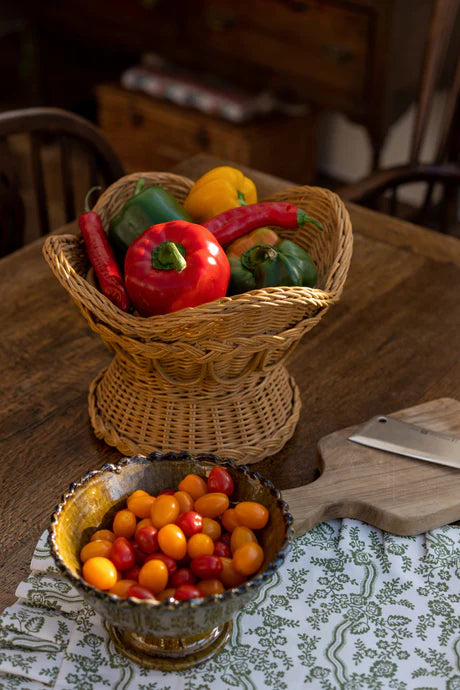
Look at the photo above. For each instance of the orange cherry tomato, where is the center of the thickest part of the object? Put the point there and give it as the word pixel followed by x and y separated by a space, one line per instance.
pixel 194 485
pixel 172 541
pixel 200 544
pixel 124 523
pixel 143 523
pixel 212 505
pixel 252 514
pixel 185 501
pixel 167 593
pixel 212 586
pixel 229 519
pixel 229 576
pixel 164 510
pixel 103 534
pixel 248 558
pixel 154 576
pixel 100 572
pixel 241 535
pixel 102 547
pixel 140 504
pixel 212 528
pixel 121 587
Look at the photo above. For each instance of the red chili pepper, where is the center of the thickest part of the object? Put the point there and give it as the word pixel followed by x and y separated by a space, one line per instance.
pixel 235 222
pixel 175 265
pixel 102 258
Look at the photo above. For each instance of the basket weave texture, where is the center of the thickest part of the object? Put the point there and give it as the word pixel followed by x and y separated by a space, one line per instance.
pixel 209 378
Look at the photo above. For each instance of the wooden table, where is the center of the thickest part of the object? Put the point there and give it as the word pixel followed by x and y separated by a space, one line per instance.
pixel 391 342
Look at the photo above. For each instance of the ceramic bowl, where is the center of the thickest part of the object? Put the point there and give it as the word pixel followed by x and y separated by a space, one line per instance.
pixel 163 634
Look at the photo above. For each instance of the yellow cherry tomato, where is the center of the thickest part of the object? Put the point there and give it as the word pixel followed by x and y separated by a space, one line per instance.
pixel 100 572
pixel 153 575
pixel 194 485
pixel 164 510
pixel 124 523
pixel 241 535
pixel 252 514
pixel 100 547
pixel 199 545
pixel 212 505
pixel 172 541
pixel 248 558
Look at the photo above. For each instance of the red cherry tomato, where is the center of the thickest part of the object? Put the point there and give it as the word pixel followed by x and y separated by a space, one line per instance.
pixel 139 555
pixel 140 592
pixel 183 576
pixel 190 523
pixel 206 566
pixel 222 549
pixel 122 554
pixel 147 538
pixel 187 592
pixel 220 480
pixel 132 573
pixel 169 562
pixel 166 492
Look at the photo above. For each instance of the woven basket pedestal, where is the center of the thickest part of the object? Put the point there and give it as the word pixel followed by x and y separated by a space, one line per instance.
pixel 261 412
pixel 210 378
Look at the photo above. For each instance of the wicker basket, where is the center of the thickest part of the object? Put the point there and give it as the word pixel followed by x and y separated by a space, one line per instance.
pixel 209 378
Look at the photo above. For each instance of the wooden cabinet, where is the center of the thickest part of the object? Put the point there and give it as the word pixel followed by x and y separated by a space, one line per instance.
pixel 360 57
pixel 149 134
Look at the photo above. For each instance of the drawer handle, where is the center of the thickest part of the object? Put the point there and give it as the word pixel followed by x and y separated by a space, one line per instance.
pixel 217 20
pixel 148 4
pixel 137 120
pixel 298 6
pixel 337 53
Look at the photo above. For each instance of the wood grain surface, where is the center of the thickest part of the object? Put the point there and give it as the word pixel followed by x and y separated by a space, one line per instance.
pixel 395 493
pixel 391 342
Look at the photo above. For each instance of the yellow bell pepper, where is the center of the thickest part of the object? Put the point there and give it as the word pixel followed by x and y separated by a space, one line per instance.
pixel 217 191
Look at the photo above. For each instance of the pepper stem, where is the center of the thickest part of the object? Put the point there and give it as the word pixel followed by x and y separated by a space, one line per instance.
pixel 257 255
pixel 169 255
pixel 139 187
pixel 241 199
pixel 88 194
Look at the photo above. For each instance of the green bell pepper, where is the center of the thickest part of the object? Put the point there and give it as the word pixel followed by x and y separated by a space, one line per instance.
pixel 264 266
pixel 145 208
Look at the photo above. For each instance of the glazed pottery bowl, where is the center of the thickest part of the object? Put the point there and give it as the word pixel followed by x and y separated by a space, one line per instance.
pixel 168 634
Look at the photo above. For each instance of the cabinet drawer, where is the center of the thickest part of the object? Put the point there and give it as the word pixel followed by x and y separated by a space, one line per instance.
pixel 300 42
pixel 150 134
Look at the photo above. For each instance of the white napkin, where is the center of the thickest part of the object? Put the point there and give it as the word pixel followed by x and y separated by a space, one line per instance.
pixel 351 608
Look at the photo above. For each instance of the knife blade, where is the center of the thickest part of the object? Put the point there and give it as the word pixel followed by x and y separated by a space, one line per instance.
pixel 395 436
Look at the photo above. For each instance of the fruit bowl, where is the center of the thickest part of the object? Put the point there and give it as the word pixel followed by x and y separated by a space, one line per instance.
pixel 168 634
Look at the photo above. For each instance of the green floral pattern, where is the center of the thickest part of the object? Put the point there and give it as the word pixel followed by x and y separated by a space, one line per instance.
pixel 352 608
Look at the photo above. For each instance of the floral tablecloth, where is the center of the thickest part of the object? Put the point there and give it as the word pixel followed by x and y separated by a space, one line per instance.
pixel 352 607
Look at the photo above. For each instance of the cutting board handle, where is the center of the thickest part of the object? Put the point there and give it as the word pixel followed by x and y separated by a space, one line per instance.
pixel 313 503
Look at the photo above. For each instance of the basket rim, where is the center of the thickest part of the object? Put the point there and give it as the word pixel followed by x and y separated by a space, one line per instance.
pixel 55 246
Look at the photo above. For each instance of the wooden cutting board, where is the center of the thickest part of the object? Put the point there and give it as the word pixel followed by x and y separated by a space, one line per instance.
pixel 401 495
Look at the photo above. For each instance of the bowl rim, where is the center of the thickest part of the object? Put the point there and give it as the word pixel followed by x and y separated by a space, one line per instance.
pixel 169 604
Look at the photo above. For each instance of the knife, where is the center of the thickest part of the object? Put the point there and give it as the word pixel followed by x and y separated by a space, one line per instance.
pixel 393 435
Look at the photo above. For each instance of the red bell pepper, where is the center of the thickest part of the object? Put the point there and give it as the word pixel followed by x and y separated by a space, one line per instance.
pixel 175 265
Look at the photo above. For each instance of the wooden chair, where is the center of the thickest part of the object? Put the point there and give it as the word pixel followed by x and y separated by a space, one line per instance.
pixel 380 189
pixel 61 138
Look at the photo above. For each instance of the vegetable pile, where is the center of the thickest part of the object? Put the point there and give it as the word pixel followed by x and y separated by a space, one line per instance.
pixel 178 545
pixel 159 256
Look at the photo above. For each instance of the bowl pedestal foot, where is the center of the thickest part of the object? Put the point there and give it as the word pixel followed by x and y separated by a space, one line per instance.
pixel 167 653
